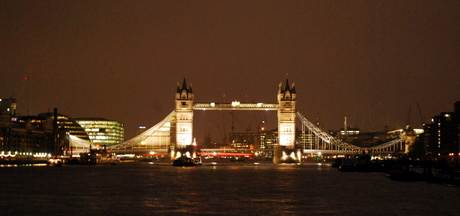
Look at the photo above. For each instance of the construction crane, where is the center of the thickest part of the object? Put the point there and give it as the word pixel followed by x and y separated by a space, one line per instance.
pixel 422 118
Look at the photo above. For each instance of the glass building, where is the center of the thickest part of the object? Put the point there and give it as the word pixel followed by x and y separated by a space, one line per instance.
pixel 102 131
pixel 64 123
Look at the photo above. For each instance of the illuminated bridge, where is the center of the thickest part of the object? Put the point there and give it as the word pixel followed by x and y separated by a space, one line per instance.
pixel 175 131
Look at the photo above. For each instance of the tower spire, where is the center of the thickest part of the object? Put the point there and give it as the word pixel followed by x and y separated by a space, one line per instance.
pixel 287 88
pixel 184 85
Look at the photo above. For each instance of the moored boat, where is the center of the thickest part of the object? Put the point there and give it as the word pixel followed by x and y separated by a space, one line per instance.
pixel 184 161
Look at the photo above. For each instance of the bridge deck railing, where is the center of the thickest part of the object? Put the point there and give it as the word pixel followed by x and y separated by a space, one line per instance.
pixel 233 106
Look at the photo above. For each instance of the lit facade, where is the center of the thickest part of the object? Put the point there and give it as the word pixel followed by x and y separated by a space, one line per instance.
pixel 286 115
pixel 306 140
pixel 184 115
pixel 40 133
pixel 442 135
pixel 349 131
pixel 102 131
pixel 66 124
pixel 267 139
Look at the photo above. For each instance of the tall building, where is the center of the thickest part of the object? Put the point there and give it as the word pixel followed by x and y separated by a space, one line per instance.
pixel 103 131
pixel 7 111
pixel 442 134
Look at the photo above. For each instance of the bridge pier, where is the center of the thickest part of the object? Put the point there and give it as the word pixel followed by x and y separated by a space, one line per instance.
pixel 283 155
pixel 189 152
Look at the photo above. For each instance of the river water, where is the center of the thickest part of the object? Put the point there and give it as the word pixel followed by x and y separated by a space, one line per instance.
pixel 221 189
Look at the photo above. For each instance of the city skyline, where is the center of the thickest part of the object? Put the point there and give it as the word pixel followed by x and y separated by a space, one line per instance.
pixel 372 62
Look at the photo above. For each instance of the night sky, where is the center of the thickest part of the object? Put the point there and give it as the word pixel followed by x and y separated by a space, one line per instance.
pixel 372 61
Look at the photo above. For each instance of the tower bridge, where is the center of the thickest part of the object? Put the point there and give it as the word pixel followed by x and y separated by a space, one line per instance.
pixel 174 134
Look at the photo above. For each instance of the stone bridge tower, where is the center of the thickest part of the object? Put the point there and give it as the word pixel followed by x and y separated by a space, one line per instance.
pixel 184 117
pixel 286 115
pixel 286 151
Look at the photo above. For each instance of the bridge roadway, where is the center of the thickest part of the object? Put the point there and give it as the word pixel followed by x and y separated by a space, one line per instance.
pixel 234 150
pixel 236 105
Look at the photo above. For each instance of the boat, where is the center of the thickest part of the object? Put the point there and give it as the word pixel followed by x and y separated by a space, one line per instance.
pixel 185 161
pixel 98 157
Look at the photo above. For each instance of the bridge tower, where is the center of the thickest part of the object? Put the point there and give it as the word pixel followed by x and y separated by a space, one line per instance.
pixel 184 122
pixel 286 150
pixel 409 138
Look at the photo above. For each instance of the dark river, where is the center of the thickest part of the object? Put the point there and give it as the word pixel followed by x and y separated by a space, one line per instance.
pixel 222 189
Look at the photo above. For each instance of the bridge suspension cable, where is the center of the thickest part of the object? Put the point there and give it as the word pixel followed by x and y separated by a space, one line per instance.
pixel 328 141
pixel 332 144
pixel 156 137
pixel 396 145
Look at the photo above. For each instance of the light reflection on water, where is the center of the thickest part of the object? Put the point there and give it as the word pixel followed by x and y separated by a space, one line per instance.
pixel 23 165
pixel 220 189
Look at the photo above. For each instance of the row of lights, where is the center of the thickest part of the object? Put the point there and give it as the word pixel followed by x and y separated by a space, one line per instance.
pixel 14 154
pixel 235 104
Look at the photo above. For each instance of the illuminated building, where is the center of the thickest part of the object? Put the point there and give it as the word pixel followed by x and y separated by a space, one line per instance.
pixel 287 151
pixel 102 131
pixel 65 124
pixel 286 115
pixel 306 140
pixel 35 133
pixel 30 134
pixel 243 140
pixel 442 135
pixel 41 134
pixel 267 139
pixel 184 115
pixel 356 137
pixel 349 131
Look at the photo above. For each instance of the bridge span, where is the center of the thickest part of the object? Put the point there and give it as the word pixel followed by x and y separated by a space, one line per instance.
pixel 174 134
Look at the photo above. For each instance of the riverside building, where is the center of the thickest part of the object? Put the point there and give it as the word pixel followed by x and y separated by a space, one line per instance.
pixel 103 131
pixel 442 135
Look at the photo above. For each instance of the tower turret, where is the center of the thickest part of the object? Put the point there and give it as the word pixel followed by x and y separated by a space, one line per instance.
pixel 184 93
